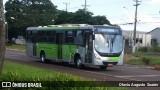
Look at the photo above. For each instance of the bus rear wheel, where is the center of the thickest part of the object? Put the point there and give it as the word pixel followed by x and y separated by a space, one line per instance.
pixel 43 58
pixel 103 67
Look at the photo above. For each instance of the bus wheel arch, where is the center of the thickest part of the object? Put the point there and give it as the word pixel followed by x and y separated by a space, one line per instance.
pixel 42 56
pixel 77 60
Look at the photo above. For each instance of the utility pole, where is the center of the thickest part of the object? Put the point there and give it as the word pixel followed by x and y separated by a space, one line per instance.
pixel 135 24
pixel 85 6
pixel 66 5
pixel 2 35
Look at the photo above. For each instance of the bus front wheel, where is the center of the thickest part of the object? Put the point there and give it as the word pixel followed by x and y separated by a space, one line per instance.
pixel 43 58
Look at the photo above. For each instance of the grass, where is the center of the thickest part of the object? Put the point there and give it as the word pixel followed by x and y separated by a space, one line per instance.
pixel 144 59
pixel 149 49
pixel 14 46
pixel 17 72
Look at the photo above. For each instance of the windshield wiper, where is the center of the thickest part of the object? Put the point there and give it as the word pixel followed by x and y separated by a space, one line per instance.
pixel 113 39
pixel 105 39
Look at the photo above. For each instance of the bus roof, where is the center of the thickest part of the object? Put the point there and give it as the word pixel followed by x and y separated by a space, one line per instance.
pixel 61 27
pixel 68 27
pixel 108 26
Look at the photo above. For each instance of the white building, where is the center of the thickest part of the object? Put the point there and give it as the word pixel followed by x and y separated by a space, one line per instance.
pixel 155 36
pixel 20 40
pixel 142 38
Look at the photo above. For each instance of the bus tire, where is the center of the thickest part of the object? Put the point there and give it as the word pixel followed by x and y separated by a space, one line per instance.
pixel 43 58
pixel 78 63
pixel 103 67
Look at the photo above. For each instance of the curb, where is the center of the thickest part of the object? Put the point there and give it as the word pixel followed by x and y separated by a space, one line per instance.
pixel 143 67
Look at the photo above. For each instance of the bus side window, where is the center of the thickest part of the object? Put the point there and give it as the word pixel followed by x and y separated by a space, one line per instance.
pixel 42 37
pixel 79 37
pixel 29 36
pixel 69 37
pixel 51 36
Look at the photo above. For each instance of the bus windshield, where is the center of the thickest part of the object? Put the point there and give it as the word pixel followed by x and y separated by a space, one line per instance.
pixel 108 43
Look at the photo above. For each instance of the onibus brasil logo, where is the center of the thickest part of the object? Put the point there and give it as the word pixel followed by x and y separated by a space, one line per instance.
pixel 15 84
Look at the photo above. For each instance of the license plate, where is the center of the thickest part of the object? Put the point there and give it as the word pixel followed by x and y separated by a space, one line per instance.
pixel 110 65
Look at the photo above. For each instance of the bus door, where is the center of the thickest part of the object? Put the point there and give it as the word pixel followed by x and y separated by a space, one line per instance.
pixel 34 49
pixel 88 46
pixel 29 44
pixel 59 41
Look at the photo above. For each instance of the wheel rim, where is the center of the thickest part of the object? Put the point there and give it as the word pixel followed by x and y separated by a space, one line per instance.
pixel 78 62
pixel 42 58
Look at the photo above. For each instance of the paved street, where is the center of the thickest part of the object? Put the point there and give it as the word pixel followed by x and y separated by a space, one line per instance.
pixel 116 73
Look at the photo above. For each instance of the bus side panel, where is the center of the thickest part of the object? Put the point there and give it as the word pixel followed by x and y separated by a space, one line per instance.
pixel 65 52
pixel 121 60
pixel 68 52
pixel 49 49
pixel 55 51
pixel 73 49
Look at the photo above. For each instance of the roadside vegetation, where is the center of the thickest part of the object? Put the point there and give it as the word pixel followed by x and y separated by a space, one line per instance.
pixel 144 56
pixel 17 72
pixel 15 46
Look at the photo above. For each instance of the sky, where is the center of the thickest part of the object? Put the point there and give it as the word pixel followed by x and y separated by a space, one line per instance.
pixel 119 11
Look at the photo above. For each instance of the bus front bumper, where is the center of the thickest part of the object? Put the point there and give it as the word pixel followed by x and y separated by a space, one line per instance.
pixel 99 62
pixel 109 64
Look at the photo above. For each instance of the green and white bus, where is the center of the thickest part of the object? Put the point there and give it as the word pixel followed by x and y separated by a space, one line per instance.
pixel 81 44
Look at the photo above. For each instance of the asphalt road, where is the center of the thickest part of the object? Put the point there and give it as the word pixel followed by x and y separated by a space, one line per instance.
pixel 116 73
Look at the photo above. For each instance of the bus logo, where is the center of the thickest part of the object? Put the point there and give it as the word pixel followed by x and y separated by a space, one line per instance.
pixel 6 84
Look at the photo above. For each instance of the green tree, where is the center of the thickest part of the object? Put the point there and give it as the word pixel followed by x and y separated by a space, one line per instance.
pixel 100 20
pixel 24 13
pixel 64 17
pixel 81 16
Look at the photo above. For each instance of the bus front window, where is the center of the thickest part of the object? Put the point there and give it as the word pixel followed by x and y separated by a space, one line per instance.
pixel 108 43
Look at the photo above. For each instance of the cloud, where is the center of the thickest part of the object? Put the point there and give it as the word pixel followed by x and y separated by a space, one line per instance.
pixel 146 22
pixel 127 17
pixel 147 18
pixel 153 1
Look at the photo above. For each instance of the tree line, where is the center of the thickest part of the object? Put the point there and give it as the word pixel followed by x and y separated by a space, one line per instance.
pixel 21 14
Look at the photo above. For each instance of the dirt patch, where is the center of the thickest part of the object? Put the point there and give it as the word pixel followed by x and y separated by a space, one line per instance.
pixel 157 67
pixel 128 57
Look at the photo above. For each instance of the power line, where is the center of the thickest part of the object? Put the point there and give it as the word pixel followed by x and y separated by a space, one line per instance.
pixel 75 7
pixel 128 11
pixel 148 22
pixel 131 23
